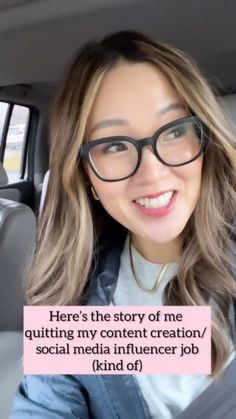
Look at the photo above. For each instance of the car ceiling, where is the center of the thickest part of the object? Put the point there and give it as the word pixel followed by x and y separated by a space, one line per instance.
pixel 39 37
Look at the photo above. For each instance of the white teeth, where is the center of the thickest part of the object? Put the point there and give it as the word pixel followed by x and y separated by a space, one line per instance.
pixel 161 201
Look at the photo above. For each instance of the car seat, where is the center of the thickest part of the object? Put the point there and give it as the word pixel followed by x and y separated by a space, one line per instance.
pixel 17 236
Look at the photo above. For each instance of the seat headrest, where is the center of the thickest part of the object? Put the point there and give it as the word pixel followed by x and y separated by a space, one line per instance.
pixel 3 176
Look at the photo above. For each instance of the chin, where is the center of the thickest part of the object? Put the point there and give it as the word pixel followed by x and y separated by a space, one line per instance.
pixel 164 235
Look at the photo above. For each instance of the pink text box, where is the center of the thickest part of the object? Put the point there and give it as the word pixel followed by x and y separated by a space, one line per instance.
pixel 117 340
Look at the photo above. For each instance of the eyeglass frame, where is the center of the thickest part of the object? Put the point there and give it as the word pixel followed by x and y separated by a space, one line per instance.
pixel 139 144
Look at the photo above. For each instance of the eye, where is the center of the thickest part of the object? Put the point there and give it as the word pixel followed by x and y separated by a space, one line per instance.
pixel 115 147
pixel 176 132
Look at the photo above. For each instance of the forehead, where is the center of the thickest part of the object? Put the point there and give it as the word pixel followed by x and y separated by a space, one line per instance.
pixel 130 89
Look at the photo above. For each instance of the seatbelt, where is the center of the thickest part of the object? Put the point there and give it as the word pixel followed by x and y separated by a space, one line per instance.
pixel 218 400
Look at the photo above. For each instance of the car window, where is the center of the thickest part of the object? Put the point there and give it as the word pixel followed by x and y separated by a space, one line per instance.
pixel 16 118
pixel 3 113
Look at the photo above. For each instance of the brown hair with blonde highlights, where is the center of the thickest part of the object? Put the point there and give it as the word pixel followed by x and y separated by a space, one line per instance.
pixel 67 234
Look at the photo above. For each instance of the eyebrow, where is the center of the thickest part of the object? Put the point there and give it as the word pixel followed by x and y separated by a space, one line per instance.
pixel 110 122
pixel 171 107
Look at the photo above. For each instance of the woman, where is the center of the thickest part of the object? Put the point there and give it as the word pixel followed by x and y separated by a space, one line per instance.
pixel 140 210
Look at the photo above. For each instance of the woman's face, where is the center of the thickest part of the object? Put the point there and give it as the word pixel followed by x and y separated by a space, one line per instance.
pixel 138 99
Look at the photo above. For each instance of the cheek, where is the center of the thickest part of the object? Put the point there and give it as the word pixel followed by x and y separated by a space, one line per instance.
pixel 113 197
pixel 109 193
pixel 191 176
pixel 190 172
pixel 196 172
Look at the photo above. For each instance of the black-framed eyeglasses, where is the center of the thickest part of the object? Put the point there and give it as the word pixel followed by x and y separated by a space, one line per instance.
pixel 118 157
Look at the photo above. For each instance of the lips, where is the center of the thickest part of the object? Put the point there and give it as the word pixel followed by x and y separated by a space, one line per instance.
pixel 159 205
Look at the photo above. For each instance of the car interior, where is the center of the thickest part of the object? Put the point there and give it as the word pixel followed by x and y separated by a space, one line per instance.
pixel 38 41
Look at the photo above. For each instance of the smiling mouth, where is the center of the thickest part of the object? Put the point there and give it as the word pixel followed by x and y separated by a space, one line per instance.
pixel 158 202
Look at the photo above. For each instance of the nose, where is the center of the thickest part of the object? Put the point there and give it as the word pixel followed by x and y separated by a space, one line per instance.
pixel 151 169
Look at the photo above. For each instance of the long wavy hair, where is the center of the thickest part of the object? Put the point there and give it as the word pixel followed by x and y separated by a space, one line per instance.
pixel 67 233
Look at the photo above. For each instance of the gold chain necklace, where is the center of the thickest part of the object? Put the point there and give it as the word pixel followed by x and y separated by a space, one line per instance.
pixel 159 277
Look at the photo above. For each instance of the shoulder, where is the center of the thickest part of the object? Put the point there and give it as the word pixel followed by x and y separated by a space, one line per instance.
pixel 49 396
